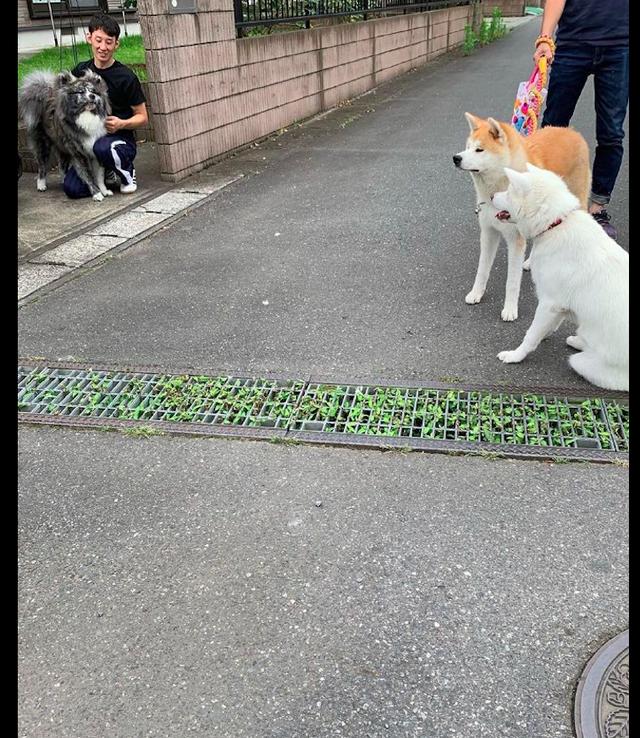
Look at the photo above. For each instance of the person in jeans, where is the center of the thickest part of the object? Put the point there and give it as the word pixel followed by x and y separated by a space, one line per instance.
pixel 592 38
pixel 117 150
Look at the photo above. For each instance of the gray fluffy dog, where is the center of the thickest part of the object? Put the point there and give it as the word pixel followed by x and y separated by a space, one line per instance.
pixel 66 114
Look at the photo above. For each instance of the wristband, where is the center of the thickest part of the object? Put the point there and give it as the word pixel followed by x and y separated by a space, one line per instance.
pixel 546 40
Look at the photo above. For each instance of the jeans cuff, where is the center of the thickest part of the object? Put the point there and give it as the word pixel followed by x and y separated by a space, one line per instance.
pixel 599 199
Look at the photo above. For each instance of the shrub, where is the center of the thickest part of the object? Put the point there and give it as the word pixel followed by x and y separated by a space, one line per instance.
pixel 498 27
pixel 470 40
pixel 483 33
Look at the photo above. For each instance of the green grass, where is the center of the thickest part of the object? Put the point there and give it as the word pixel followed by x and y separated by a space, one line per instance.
pixel 130 52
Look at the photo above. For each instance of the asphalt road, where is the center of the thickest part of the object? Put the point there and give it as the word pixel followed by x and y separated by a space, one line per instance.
pixel 175 587
pixel 357 231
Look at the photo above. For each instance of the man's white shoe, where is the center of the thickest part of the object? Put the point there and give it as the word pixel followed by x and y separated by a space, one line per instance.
pixel 127 189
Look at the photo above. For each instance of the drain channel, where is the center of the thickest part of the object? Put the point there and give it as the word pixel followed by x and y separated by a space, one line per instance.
pixel 448 419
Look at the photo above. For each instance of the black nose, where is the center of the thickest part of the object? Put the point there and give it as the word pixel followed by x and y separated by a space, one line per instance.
pixel 457 159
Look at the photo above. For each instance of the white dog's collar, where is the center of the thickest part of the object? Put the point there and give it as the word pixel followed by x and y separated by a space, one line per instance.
pixel 555 223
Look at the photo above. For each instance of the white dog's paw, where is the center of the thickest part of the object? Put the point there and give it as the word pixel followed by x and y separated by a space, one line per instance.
pixel 509 313
pixel 98 197
pixel 41 185
pixel 473 297
pixel 511 357
pixel 576 342
pixel 107 193
pixel 527 264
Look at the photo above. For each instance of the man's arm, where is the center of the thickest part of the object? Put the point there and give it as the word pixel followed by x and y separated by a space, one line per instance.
pixel 139 118
pixel 552 13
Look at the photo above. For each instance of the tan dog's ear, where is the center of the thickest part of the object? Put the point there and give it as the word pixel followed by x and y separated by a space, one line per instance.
pixel 474 123
pixel 495 130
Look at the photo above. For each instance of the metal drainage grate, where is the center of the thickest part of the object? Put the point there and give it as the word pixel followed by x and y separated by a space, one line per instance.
pixel 445 419
pixel 157 397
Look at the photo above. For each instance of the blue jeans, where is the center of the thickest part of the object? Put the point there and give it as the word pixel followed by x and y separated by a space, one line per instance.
pixel 112 151
pixel 567 77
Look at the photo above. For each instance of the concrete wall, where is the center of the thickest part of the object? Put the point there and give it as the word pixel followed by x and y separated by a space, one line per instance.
pixel 212 92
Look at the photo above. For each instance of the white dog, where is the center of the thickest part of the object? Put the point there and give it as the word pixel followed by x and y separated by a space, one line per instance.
pixel 492 146
pixel 579 273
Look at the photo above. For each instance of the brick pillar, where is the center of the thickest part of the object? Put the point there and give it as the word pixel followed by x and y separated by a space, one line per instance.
pixel 185 53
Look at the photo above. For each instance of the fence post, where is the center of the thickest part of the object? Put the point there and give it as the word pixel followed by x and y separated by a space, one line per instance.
pixel 237 11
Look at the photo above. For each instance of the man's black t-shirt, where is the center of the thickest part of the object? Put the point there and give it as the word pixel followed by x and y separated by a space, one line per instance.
pixel 124 89
pixel 594 23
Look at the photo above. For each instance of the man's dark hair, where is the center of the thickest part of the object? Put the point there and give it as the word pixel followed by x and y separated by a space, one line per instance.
pixel 106 24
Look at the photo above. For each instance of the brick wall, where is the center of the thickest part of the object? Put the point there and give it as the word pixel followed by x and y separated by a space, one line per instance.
pixel 507 7
pixel 212 92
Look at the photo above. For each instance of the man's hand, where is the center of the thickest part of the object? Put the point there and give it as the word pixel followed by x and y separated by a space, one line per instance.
pixel 114 124
pixel 543 50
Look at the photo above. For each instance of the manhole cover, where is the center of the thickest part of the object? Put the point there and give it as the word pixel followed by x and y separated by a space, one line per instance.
pixel 602 697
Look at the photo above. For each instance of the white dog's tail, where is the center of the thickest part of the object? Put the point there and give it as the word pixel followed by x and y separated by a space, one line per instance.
pixel 34 92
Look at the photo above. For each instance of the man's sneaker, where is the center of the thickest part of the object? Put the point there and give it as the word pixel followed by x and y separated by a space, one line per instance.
pixel 111 179
pixel 604 219
pixel 127 189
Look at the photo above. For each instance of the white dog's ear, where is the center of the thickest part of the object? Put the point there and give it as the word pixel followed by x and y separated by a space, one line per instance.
pixel 495 129
pixel 533 169
pixel 519 180
pixel 474 123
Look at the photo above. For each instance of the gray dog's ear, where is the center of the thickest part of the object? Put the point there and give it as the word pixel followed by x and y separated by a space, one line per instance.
pixel 65 77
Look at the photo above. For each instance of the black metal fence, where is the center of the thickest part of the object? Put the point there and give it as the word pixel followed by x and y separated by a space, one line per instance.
pixel 250 13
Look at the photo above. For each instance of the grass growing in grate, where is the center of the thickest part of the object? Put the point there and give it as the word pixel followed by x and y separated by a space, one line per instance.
pixel 452 415
pixel 524 419
pixel 175 398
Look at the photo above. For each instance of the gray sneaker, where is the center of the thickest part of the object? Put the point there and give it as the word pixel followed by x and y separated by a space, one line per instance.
pixel 111 179
pixel 604 219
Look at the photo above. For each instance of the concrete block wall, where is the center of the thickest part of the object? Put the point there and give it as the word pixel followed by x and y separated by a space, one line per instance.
pixel 212 92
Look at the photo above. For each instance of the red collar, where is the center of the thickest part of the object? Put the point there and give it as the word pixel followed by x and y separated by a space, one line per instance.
pixel 553 225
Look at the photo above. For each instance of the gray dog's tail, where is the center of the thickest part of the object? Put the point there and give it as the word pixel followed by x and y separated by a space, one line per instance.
pixel 33 95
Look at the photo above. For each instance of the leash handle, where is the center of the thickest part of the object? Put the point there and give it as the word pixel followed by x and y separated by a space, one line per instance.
pixel 540 70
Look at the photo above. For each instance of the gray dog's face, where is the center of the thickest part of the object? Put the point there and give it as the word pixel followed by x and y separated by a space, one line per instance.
pixel 85 93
